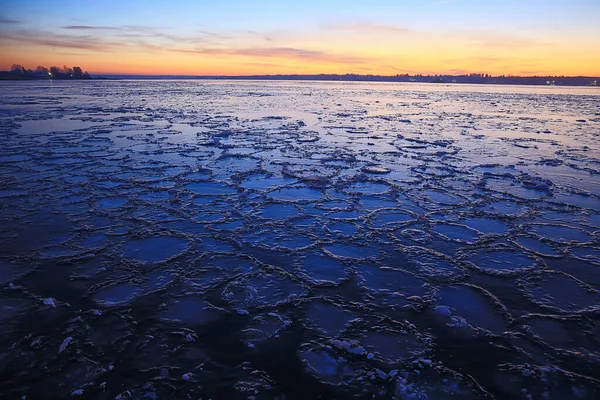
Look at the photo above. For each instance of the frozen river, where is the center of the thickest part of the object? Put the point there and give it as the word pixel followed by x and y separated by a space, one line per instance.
pixel 290 240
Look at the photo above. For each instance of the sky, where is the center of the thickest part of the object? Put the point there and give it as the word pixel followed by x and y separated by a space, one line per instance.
pixel 242 37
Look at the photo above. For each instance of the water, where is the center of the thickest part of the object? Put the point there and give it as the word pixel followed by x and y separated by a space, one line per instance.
pixel 299 239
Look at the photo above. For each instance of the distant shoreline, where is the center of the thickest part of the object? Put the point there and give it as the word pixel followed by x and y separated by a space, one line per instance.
pixel 587 81
pixel 481 79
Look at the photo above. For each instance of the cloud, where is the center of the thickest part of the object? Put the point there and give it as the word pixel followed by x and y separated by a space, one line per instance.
pixel 279 52
pixel 108 38
pixel 90 28
pixel 259 64
pixel 365 27
pixel 9 21
pixel 499 40
pixel 43 38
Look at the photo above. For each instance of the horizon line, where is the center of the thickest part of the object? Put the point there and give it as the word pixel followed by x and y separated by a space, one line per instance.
pixel 472 74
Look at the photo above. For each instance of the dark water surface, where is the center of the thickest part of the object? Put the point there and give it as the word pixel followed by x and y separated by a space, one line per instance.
pixel 298 240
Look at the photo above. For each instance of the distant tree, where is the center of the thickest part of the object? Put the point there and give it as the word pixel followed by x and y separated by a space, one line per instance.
pixel 41 70
pixel 77 72
pixel 68 71
pixel 54 70
pixel 17 68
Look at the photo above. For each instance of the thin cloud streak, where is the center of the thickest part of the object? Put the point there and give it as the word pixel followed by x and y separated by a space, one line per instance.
pixel 43 38
pixel 365 27
pixel 279 52
pixel 9 21
pixel 494 39
pixel 91 28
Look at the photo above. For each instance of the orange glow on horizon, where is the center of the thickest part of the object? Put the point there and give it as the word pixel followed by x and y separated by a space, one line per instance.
pixel 426 54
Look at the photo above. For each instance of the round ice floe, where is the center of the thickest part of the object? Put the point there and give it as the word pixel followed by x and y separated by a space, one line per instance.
pixel 327 317
pixel 10 272
pixel 373 169
pixel 158 280
pixel 323 269
pixel 458 233
pixel 392 347
pixel 414 235
pixel 387 279
pixel 434 266
pixel 112 203
pixel 343 228
pixel 235 164
pixel 229 263
pixel 189 311
pixel 325 367
pixel 117 295
pixel 368 188
pixel 264 326
pixel 501 261
pixel 261 290
pixel 202 175
pixel 155 249
pixel 279 211
pixel 476 308
pixel 536 246
pixel 590 254
pixel 279 239
pixel 486 225
pixel 390 218
pixel 505 207
pixel 211 188
pixel 561 293
pixel 561 233
pixel 265 182
pixel 441 198
pixel 563 334
pixel 296 194
pixel 352 251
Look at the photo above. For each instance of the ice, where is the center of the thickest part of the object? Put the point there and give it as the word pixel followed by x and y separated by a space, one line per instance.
pixel 368 188
pixel 350 251
pixel 321 268
pixel 190 311
pixel 328 318
pixel 210 189
pixel 156 249
pixel 486 225
pixel 50 302
pixel 457 232
pixel 562 293
pixel 299 239
pixel 537 246
pixel 64 344
pixel 296 194
pixel 117 295
pixel 392 347
pixel 560 233
pixel 112 202
pixel 324 366
pixel 279 211
pixel 499 260
pixel 387 218
pixel 475 307
pixel 391 280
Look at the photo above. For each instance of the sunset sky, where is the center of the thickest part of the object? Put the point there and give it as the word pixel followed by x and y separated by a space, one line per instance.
pixel 236 37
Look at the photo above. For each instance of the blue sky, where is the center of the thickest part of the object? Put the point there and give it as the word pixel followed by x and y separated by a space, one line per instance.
pixel 418 34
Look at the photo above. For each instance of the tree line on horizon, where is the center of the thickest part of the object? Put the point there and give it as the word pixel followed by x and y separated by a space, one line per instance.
pixel 17 71
pixel 473 78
